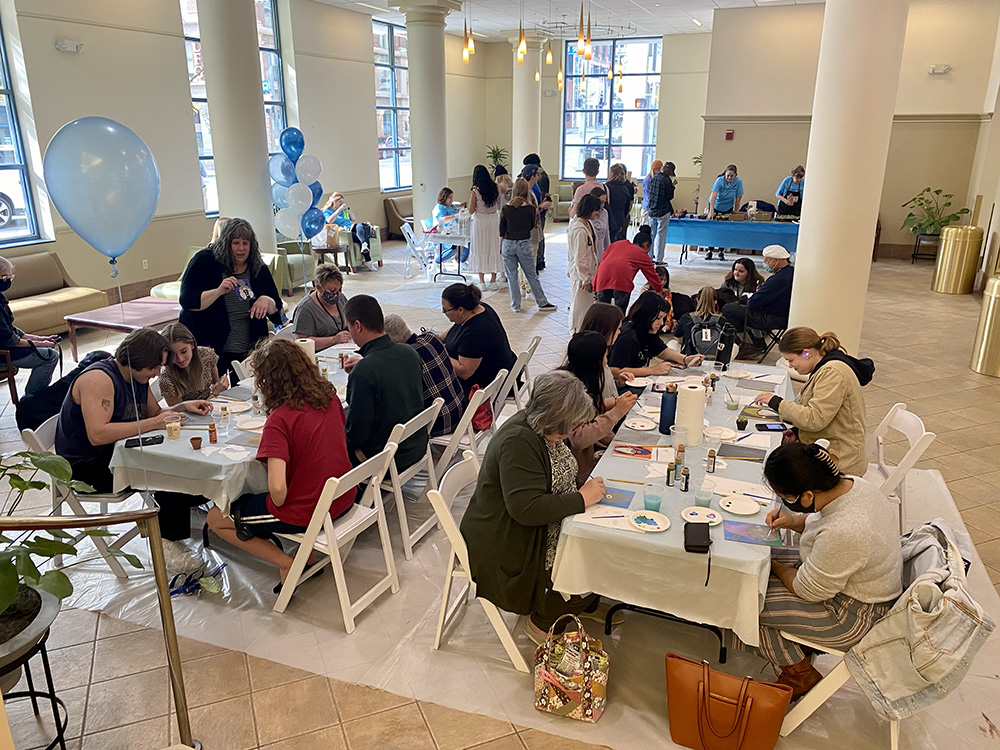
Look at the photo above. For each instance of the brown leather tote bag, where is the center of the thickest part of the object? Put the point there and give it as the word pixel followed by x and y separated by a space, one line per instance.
pixel 711 710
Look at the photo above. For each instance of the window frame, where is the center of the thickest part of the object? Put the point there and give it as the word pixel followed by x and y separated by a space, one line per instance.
pixel 280 102
pixel 573 80
pixel 20 165
pixel 394 108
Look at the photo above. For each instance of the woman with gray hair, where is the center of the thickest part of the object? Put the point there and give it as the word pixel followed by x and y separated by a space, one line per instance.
pixel 320 316
pixel 527 485
pixel 227 292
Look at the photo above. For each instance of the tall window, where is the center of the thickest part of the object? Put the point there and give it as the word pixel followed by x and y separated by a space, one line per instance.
pixel 392 106
pixel 17 212
pixel 606 123
pixel 271 83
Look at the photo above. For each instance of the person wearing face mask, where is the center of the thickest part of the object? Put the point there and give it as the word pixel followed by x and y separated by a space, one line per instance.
pixel 848 570
pixel 320 316
pixel 831 405
pixel 767 309
pixel 36 353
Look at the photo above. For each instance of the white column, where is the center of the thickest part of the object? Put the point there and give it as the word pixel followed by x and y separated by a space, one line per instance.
pixel 428 121
pixel 526 101
pixel 856 84
pixel 236 105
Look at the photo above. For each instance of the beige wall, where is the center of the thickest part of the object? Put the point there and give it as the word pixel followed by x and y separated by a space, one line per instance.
pixel 680 128
pixel 938 118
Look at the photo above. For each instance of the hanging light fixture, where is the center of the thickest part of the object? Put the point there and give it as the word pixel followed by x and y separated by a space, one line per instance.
pixel 520 58
pixel 559 78
pixel 465 55
pixel 579 38
pixel 465 47
pixel 548 54
pixel 470 42
pixel 538 75
pixel 588 50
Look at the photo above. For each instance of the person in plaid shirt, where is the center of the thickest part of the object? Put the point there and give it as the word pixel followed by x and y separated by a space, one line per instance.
pixel 439 377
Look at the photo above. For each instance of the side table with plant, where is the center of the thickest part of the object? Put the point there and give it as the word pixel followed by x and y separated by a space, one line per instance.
pixel 929 214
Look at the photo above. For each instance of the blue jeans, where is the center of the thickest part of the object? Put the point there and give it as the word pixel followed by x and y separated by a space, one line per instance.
pixel 514 253
pixel 659 226
pixel 42 361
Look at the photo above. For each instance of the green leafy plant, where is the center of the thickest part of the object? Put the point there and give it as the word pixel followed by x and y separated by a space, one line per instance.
pixel 696 161
pixel 18 555
pixel 497 156
pixel 929 212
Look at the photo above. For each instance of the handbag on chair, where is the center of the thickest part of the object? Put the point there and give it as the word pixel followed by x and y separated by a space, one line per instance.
pixel 711 710
pixel 483 418
pixel 571 674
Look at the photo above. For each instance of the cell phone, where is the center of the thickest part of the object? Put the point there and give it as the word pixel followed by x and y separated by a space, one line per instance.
pixel 148 440
pixel 771 427
pixel 697 538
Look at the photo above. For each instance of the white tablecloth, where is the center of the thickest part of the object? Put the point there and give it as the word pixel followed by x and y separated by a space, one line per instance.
pixel 174 466
pixel 653 570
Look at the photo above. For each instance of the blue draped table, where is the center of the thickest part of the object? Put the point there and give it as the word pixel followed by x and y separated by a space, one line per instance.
pixel 738 235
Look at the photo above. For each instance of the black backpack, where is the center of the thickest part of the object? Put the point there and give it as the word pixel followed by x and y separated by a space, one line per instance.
pixel 705 334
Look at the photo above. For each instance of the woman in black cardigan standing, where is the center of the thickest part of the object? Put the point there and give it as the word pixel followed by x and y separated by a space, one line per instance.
pixel 227 292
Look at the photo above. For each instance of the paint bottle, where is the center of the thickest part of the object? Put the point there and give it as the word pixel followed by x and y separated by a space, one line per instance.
pixel 685 479
pixel 213 435
pixel 708 396
pixel 679 455
pixel 710 465
pixel 223 426
pixel 671 469
pixel 668 408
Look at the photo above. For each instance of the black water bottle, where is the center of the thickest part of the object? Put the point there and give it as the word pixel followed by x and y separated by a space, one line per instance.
pixel 726 342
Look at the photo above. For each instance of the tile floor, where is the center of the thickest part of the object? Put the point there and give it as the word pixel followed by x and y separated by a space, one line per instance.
pixel 112 673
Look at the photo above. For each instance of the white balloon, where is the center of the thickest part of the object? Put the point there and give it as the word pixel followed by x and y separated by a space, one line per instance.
pixel 299 197
pixel 288 222
pixel 308 169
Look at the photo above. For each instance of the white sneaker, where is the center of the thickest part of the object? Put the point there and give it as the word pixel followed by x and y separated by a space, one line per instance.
pixel 180 558
pixel 372 265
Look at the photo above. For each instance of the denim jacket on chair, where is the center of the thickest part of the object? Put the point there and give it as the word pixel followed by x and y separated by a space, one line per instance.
pixel 921 650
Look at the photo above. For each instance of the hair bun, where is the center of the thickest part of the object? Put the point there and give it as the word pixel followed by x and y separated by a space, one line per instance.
pixel 646 228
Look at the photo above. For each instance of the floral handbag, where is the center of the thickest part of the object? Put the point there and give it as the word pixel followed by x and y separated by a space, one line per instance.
pixel 571 674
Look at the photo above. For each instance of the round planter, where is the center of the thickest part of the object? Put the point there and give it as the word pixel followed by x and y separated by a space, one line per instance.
pixel 16 647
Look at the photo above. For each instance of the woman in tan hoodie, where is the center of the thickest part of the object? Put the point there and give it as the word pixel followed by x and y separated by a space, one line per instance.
pixel 831 405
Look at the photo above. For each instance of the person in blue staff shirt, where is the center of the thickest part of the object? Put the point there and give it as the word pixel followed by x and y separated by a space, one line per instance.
pixel 789 192
pixel 726 197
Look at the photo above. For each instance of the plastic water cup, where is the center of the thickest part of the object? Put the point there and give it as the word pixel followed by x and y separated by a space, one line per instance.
pixel 651 497
pixel 678 436
pixel 733 399
pixel 703 495
pixel 173 425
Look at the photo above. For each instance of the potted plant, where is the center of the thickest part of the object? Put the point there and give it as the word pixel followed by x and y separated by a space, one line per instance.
pixel 497 156
pixel 29 598
pixel 929 212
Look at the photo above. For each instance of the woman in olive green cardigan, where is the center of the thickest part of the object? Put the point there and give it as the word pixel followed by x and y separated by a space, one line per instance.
pixel 526 486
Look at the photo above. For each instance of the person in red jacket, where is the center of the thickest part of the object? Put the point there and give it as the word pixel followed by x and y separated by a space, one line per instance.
pixel 618 266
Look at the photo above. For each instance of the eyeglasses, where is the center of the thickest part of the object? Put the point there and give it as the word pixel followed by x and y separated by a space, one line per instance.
pixel 5 277
pixel 447 310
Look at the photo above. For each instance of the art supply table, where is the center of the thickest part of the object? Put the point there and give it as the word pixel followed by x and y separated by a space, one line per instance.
pixel 220 472
pixel 441 239
pixel 738 235
pixel 652 570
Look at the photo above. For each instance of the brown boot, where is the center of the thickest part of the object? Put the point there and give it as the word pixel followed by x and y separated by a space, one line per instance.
pixel 801 677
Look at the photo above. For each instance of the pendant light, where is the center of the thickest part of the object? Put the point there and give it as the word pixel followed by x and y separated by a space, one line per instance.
pixel 548 52
pixel 465 47
pixel 559 78
pixel 465 55
pixel 588 50
pixel 579 38
pixel 538 75
pixel 470 42
pixel 520 58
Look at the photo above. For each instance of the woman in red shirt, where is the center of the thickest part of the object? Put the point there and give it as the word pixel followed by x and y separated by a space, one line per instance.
pixel 618 266
pixel 303 444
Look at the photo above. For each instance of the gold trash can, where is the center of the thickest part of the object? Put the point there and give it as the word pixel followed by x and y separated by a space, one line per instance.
pixel 957 260
pixel 986 349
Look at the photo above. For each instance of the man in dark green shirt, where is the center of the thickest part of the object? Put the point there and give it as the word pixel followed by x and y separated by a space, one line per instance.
pixel 384 388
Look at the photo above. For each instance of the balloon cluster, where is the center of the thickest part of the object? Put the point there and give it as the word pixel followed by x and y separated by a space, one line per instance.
pixel 104 181
pixel 296 187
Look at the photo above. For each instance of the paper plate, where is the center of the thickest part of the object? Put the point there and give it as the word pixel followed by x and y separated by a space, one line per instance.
pixel 695 379
pixel 737 374
pixel 234 407
pixel 740 505
pixel 640 423
pixel 648 520
pixel 721 433
pixel 250 423
pixel 639 382
pixel 694 514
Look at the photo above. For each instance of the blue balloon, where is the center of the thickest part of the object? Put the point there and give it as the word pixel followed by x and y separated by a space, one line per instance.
pixel 317 192
pixel 281 170
pixel 278 192
pixel 313 222
pixel 104 182
pixel 292 142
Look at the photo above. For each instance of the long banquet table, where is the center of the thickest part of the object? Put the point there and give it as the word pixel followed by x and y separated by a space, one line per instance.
pixel 174 466
pixel 652 570
pixel 738 235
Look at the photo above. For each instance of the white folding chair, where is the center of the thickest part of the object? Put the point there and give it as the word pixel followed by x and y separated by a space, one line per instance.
pixel 287 331
pixel 415 250
pixel 463 433
pixel 242 369
pixel 459 476
pixel 892 479
pixel 525 390
pixel 422 422
pixel 825 688
pixel 509 390
pixel 43 440
pixel 327 536
pixel 154 388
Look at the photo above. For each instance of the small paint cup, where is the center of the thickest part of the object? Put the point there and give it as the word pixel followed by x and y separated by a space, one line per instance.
pixel 196 443
pixel 651 497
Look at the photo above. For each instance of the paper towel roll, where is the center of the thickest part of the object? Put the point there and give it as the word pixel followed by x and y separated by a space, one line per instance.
pixel 691 411
pixel 309 346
